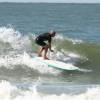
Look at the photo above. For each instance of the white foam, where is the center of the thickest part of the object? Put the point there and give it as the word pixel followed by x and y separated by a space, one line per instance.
pixel 88 95
pixel 61 37
pixel 11 92
pixel 24 59
pixel 14 38
pixel 65 56
pixel 6 90
pixel 74 41
pixel 9 61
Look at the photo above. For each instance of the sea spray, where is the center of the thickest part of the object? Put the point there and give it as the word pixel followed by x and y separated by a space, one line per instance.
pixel 14 38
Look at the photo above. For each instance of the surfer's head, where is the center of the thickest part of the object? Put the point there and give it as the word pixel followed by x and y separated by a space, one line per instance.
pixel 52 33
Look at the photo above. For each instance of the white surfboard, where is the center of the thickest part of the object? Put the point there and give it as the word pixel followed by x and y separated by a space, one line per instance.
pixel 56 64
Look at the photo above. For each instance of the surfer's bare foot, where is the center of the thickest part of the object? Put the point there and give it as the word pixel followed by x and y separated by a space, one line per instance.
pixel 46 58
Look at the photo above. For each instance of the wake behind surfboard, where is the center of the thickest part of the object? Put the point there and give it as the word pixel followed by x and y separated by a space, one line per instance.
pixel 58 64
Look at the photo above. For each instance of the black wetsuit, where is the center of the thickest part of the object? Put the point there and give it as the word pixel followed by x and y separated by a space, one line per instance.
pixel 40 39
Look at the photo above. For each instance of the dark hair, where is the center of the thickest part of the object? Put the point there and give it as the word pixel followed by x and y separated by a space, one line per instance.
pixel 53 32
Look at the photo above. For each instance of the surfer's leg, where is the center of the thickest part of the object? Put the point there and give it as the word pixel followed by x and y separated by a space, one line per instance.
pixel 42 44
pixel 45 52
pixel 40 51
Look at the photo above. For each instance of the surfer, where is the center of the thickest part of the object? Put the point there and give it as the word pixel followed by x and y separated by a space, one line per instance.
pixel 41 41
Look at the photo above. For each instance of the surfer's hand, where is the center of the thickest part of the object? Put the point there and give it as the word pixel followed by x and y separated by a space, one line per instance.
pixel 52 50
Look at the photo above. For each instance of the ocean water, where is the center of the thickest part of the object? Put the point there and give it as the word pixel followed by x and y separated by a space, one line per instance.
pixel 77 27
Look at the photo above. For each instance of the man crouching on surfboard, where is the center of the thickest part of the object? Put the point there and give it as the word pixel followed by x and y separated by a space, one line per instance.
pixel 40 40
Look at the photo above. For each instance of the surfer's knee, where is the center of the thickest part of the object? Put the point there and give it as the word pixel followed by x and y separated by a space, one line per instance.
pixel 46 47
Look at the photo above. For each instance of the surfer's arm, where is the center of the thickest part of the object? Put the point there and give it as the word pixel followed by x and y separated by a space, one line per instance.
pixel 50 47
pixel 49 44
